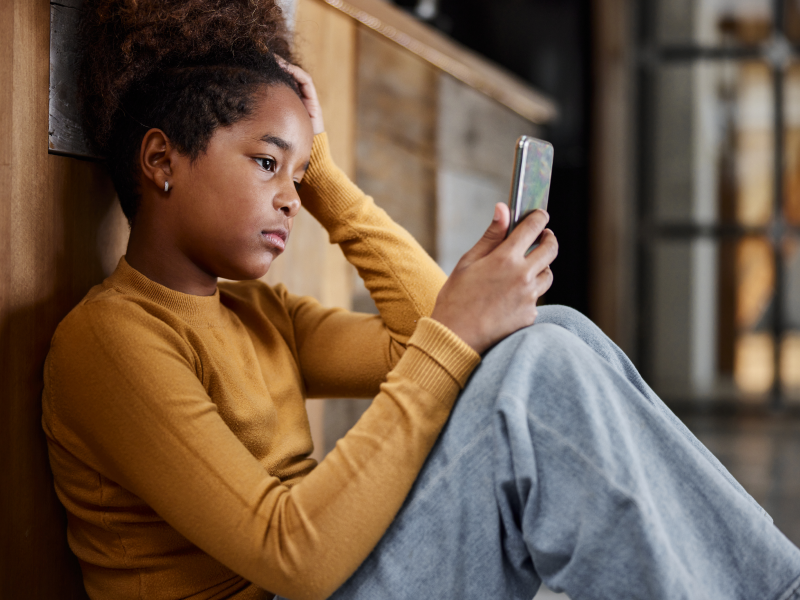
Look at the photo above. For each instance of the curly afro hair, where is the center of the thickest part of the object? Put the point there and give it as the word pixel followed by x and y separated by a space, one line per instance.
pixel 186 67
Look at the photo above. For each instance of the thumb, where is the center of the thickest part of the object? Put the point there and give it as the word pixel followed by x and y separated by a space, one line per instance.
pixel 493 236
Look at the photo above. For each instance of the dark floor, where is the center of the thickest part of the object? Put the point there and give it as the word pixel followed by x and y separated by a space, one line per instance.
pixel 763 454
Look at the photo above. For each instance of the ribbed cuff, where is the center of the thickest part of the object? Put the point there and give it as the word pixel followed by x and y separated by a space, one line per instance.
pixel 438 360
pixel 446 348
pixel 327 192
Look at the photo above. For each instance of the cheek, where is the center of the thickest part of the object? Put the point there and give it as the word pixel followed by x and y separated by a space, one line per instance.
pixel 231 199
pixel 218 174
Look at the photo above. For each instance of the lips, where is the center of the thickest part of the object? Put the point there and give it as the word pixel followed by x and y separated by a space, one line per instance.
pixel 276 238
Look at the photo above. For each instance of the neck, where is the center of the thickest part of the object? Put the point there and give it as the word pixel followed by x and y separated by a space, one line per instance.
pixel 166 264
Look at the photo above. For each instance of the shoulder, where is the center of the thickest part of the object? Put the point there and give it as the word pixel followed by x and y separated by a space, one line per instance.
pixel 107 320
pixel 255 301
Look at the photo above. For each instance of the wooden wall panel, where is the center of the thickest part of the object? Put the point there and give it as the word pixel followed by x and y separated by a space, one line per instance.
pixel 326 44
pixel 58 229
pixel 476 141
pixel 396 133
pixel 443 53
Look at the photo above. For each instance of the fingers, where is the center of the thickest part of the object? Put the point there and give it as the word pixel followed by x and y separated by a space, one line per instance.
pixel 493 236
pixel 544 281
pixel 526 231
pixel 308 92
pixel 300 76
pixel 541 284
pixel 538 277
pixel 545 253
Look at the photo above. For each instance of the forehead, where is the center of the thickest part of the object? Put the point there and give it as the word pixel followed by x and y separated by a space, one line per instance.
pixel 277 112
pixel 278 102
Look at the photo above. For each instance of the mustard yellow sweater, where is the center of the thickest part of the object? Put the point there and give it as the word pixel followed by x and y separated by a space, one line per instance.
pixel 177 428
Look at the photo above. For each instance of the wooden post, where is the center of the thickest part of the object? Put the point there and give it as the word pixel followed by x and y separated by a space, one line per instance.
pixel 613 240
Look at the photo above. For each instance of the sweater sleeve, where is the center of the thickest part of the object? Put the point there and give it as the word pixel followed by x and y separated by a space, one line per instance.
pixel 400 276
pixel 347 354
pixel 124 393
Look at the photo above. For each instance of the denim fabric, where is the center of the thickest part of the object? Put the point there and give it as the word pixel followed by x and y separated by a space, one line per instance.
pixel 560 464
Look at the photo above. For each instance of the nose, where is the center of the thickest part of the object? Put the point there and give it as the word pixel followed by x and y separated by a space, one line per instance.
pixel 287 199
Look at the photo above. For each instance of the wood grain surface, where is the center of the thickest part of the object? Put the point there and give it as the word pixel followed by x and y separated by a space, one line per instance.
pixel 449 56
pixel 56 235
pixel 613 242
pixel 396 134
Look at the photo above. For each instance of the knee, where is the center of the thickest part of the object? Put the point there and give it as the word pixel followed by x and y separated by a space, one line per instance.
pixel 546 341
pixel 545 358
pixel 577 324
pixel 563 316
pixel 561 338
pixel 540 346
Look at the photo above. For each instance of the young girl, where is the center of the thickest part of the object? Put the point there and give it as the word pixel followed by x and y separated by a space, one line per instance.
pixel 174 404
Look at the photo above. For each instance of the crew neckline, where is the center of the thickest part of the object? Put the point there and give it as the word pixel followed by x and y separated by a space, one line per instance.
pixel 196 308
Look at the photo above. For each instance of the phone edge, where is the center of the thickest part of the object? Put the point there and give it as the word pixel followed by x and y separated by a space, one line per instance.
pixel 513 200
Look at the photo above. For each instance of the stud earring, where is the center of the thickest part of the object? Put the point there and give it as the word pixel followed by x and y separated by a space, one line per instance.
pixel 166 186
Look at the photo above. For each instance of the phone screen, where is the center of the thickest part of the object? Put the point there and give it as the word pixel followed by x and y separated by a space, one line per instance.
pixel 531 185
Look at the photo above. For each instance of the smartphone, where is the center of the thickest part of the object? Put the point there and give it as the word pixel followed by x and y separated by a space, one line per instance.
pixel 530 186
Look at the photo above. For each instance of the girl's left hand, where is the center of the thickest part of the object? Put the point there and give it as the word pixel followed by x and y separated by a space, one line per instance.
pixel 308 92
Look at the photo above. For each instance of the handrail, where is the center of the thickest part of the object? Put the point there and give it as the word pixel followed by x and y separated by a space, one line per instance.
pixel 449 56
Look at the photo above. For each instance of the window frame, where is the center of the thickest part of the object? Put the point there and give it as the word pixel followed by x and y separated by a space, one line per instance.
pixel 778 53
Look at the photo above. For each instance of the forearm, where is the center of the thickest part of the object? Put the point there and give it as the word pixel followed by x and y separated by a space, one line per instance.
pixel 402 279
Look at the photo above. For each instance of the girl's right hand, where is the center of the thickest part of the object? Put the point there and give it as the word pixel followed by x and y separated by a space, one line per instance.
pixel 494 288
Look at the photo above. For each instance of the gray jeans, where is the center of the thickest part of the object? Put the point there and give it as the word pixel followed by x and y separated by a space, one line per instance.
pixel 560 464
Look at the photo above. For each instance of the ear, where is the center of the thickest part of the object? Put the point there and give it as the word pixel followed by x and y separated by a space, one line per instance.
pixel 155 159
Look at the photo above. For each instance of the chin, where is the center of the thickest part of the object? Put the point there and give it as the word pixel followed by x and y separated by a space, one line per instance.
pixel 247 271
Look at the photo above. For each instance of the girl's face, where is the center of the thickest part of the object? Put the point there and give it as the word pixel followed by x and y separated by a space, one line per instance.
pixel 234 206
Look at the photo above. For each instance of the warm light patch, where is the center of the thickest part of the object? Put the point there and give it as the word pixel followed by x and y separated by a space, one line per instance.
pixel 755 267
pixel 754 144
pixel 790 364
pixel 754 363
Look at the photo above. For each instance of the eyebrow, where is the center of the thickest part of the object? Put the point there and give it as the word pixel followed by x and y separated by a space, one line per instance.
pixel 282 144
pixel 277 141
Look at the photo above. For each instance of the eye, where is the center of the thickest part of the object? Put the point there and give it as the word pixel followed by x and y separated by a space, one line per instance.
pixel 298 185
pixel 267 164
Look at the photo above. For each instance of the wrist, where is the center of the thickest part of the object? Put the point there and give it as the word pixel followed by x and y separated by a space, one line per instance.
pixel 461 330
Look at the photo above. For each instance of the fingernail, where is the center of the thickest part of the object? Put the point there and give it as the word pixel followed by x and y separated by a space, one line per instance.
pixel 496 216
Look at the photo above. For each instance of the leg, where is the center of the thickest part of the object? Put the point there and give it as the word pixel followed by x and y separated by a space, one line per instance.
pixel 558 462
pixel 618 499
pixel 592 336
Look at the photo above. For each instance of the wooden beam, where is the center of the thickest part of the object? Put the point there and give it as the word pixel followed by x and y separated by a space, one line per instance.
pixel 447 55
pixel 613 243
